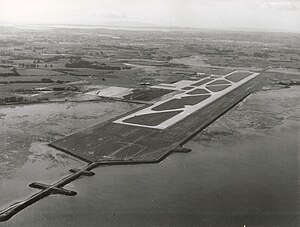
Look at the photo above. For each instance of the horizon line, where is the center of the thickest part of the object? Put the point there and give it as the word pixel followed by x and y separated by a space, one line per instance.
pixel 151 27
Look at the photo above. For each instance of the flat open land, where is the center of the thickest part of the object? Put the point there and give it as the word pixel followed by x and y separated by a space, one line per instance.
pixel 237 76
pixel 217 88
pixel 198 92
pixel 152 119
pixel 181 103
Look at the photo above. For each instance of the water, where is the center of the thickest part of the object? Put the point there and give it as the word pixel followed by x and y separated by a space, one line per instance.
pixel 243 170
pixel 25 132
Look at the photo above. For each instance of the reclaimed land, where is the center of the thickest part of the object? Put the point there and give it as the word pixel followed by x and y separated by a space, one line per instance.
pixel 100 142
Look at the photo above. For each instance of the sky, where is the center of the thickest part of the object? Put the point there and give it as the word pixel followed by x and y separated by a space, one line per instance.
pixel 277 15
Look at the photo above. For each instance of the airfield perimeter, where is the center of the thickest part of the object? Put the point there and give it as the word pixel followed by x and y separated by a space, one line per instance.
pixel 150 133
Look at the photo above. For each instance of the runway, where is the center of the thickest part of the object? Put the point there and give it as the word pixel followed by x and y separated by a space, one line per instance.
pixel 152 132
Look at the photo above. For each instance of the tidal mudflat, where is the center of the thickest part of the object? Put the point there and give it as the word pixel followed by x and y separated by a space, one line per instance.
pixel 26 130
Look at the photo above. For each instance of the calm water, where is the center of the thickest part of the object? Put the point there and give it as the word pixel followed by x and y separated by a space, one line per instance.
pixel 243 170
pixel 26 130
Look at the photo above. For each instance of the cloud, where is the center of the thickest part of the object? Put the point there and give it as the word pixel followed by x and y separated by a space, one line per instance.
pixel 281 5
pixel 114 14
pixel 253 14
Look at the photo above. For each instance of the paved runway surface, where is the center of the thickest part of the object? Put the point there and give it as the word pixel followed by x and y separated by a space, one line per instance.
pixel 139 141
